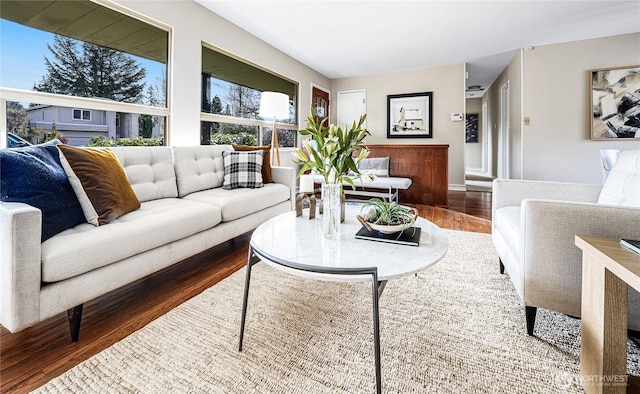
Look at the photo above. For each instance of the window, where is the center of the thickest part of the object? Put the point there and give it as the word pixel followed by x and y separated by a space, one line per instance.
pixel 231 91
pixel 120 57
pixel 37 123
pixel 81 114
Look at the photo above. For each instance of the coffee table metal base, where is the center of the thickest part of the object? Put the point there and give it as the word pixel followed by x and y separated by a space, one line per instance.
pixel 376 286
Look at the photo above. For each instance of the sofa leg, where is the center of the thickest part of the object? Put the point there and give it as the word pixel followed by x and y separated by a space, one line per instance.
pixel 501 266
pixel 75 315
pixel 530 315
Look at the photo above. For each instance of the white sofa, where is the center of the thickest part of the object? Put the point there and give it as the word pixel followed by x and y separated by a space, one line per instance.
pixel 184 211
pixel 534 227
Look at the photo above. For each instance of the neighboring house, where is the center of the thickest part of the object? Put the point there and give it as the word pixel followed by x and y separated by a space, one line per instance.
pixel 79 125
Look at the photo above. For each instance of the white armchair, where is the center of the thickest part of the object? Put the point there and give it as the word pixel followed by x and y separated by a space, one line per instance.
pixel 533 230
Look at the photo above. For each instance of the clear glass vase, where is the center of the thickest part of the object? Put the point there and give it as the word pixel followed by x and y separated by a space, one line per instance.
pixel 331 207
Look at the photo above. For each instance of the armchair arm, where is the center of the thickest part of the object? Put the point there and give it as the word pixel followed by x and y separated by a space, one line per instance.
pixel 20 268
pixel 287 177
pixel 511 192
pixel 551 262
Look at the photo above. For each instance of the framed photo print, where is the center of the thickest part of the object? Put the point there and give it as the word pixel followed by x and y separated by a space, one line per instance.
pixel 471 128
pixel 409 115
pixel 615 103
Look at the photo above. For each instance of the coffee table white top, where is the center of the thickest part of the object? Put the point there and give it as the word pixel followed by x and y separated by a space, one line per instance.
pixel 287 238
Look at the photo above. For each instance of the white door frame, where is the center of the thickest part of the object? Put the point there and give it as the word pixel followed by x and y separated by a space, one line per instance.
pixel 503 133
pixel 487 151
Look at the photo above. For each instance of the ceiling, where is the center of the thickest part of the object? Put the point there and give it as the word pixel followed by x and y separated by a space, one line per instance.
pixel 341 39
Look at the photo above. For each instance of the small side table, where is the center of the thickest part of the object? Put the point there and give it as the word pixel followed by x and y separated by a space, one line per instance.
pixel 607 269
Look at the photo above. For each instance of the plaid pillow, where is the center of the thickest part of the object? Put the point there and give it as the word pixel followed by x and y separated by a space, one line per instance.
pixel 242 169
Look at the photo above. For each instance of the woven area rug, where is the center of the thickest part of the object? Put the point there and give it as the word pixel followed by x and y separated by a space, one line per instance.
pixel 456 327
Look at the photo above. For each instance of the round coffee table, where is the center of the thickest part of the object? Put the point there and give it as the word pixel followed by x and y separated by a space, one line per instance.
pixel 296 245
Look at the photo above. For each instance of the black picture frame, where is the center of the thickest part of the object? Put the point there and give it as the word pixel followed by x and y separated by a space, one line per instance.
pixel 471 128
pixel 409 115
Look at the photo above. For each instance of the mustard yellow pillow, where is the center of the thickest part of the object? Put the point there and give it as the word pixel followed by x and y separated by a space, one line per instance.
pixel 100 183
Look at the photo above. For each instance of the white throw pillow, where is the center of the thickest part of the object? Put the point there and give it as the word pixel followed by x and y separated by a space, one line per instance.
pixel 378 166
pixel 622 186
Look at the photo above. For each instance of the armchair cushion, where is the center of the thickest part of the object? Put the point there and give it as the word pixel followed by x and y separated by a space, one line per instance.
pixel 622 186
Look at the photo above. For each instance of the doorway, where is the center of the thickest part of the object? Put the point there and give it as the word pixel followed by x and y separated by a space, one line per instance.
pixel 320 103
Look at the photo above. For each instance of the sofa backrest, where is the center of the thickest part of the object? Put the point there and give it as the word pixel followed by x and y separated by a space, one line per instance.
pixel 150 171
pixel 199 167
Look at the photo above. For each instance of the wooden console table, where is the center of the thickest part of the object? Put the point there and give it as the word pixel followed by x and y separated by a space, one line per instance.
pixel 426 165
pixel 607 269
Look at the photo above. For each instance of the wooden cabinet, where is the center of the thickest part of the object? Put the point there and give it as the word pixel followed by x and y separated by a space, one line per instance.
pixel 426 165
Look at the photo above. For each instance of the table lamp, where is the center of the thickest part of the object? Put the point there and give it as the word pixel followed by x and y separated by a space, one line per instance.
pixel 274 105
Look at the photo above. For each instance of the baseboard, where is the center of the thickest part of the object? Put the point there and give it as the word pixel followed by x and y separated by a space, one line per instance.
pixel 458 188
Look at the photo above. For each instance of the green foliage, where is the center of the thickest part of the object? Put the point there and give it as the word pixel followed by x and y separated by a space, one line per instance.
pixel 135 141
pixel 331 150
pixel 238 138
pixel 19 124
pixel 145 126
pixel 17 117
pixel 54 134
pixel 92 71
pixel 386 213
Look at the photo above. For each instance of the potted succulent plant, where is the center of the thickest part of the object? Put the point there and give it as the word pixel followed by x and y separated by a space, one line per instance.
pixel 386 216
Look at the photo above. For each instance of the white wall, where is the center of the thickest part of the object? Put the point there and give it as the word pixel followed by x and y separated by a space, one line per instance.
pixel 447 84
pixel 557 144
pixel 473 150
pixel 192 25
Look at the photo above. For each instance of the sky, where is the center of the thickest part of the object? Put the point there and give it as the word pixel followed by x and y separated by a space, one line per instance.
pixel 22 52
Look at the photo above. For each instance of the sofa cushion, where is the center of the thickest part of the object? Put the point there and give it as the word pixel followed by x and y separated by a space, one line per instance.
pixel 507 223
pixel 34 175
pixel 157 222
pixel 149 170
pixel 100 183
pixel 241 202
pixel 622 186
pixel 266 159
pixel 385 183
pixel 199 167
pixel 242 170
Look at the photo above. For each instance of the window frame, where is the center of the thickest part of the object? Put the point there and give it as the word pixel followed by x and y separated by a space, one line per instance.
pixel 209 117
pixel 82 113
pixel 88 103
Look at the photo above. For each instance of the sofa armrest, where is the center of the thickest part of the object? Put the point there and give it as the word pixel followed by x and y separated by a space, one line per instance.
pixel 511 192
pixel 286 176
pixel 551 260
pixel 20 268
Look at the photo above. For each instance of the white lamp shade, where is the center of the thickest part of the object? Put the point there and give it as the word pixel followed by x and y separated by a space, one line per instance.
pixel 274 105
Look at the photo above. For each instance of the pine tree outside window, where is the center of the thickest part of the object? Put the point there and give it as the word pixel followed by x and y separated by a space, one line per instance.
pixel 115 84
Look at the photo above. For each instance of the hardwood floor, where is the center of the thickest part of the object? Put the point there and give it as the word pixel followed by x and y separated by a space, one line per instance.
pixel 32 357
